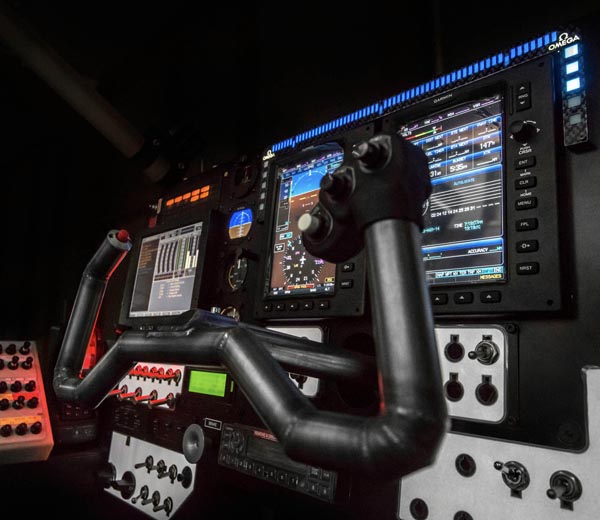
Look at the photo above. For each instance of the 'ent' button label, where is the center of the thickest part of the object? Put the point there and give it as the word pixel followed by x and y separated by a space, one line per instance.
pixel 525 162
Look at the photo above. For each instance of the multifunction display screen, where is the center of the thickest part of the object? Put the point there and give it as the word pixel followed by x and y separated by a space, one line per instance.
pixel 166 272
pixel 293 269
pixel 463 235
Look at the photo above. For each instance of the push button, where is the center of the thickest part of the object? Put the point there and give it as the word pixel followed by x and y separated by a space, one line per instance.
pixel 526 182
pixel 523 95
pixel 439 299
pixel 527 224
pixel 307 306
pixel 348 267
pixel 463 297
pixel 347 284
pixel 526 203
pixel 525 268
pixel 490 296
pixel 525 162
pixel 527 246
pixel 280 306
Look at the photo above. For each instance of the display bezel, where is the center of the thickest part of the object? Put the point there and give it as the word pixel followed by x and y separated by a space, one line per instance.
pixel 149 321
pixel 276 167
pixel 418 112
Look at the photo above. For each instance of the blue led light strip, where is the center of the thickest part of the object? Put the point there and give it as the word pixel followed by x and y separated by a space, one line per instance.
pixel 501 60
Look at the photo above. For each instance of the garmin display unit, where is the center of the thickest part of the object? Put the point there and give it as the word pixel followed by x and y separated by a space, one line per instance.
pixel 297 284
pixel 491 237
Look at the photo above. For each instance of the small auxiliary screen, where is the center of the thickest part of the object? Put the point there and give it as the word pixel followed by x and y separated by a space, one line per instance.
pixel 208 383
pixel 293 270
pixel 166 272
pixel 463 235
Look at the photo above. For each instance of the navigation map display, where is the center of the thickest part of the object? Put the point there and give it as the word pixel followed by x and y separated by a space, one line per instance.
pixel 463 235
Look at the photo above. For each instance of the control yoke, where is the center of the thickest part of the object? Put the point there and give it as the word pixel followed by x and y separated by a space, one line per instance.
pixel 375 200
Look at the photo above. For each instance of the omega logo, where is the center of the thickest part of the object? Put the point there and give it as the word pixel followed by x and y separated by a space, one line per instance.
pixel 268 155
pixel 563 39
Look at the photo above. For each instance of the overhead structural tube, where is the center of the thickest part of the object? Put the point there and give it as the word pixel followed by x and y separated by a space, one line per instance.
pixel 78 93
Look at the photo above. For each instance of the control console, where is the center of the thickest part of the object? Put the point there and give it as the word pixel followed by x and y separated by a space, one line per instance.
pixel 25 431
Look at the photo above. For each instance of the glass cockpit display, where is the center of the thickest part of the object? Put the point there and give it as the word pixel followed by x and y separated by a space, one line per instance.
pixel 463 235
pixel 293 269
pixel 240 223
pixel 166 272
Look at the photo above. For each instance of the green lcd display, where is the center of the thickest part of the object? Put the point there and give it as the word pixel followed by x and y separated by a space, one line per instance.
pixel 207 383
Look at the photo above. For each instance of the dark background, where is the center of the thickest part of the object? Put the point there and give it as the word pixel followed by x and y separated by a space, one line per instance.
pixel 221 83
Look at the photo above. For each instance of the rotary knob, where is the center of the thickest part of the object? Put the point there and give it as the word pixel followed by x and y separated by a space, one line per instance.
pixel 522 131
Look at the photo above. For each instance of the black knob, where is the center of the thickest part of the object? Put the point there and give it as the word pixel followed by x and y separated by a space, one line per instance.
pixel 370 154
pixel 522 131
pixel 13 364
pixel 242 252
pixel 148 464
pixel 514 474
pixel 17 386
pixel 1 364
pixel 4 404
pixel 154 499
pixel 126 485
pixel 21 429
pixel 30 386
pixel 25 348
pixel 161 467
pixel 6 430
pixel 33 402
pixel 565 486
pixel 36 428
pixel 185 477
pixel 335 185
pixel 27 363
pixel 19 403
pixel 11 349
pixel 144 492
pixel 3 387
pixel 106 475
